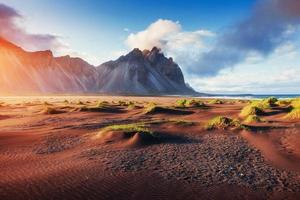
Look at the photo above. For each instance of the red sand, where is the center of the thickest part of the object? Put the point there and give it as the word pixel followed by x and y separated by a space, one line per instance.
pixel 57 156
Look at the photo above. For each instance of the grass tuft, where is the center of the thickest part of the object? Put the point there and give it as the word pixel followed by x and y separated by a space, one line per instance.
pixel 135 127
pixel 101 103
pixel 131 105
pixel 182 122
pixel 192 103
pixel 295 103
pixel 195 103
pixel 293 114
pixel 151 108
pixel 286 102
pixel 80 103
pixel 271 101
pixel 215 101
pixel 253 119
pixel 251 110
pixel 181 103
pixel 221 122
pixel 66 101
pixel 50 111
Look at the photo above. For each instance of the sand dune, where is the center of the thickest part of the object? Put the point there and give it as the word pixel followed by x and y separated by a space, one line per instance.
pixel 63 155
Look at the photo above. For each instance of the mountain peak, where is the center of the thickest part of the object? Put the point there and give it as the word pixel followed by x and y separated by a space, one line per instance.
pixel 155 50
pixel 142 72
pixel 8 45
pixel 135 52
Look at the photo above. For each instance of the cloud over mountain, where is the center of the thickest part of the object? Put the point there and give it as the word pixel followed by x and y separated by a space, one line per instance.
pixel 271 23
pixel 11 30
pixel 184 46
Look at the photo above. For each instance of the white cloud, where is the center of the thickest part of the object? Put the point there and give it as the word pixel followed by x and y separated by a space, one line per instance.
pixel 184 46
pixel 278 74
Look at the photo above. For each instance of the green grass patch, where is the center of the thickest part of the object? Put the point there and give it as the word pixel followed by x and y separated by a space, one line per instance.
pixel 216 101
pixel 92 108
pixel 253 119
pixel 66 101
pixel 191 103
pixel 271 101
pixel 251 110
pixel 131 105
pixel 50 111
pixel 221 122
pixel 286 102
pixel 135 127
pixel 293 114
pixel 182 122
pixel 101 103
pixel 195 103
pixel 79 102
pixel 181 103
pixel 295 103
pixel 151 108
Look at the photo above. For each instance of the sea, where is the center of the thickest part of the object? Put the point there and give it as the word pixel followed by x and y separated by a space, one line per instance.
pixel 250 96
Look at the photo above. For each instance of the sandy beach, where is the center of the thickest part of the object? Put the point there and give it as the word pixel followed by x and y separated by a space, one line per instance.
pixel 66 148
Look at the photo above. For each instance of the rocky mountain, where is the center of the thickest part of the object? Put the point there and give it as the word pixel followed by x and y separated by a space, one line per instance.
pixel 147 72
pixel 24 72
pixel 137 73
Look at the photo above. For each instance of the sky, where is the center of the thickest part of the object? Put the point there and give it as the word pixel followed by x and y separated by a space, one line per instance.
pixel 222 46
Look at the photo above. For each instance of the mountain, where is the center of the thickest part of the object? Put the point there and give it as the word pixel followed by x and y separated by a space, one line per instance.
pixel 147 72
pixel 24 72
pixel 137 73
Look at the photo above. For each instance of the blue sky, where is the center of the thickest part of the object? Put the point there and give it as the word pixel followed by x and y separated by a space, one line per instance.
pixel 96 27
pixel 194 31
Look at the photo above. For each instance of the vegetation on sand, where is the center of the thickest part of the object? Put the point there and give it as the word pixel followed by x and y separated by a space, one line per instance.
pixel 293 114
pixel 221 122
pixel 215 101
pixel 251 110
pixel 252 119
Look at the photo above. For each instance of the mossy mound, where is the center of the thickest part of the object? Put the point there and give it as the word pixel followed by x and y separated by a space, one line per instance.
pixel 50 111
pixel 101 103
pixel 223 123
pixel 267 103
pixel 295 103
pixel 251 110
pixel 129 135
pixel 91 109
pixel 79 102
pixel 271 101
pixel 191 103
pixel 181 103
pixel 98 108
pixel 66 101
pixel 216 101
pixel 131 105
pixel 253 119
pixel 182 122
pixel 286 102
pixel 293 114
pixel 195 103
pixel 128 128
pixel 154 109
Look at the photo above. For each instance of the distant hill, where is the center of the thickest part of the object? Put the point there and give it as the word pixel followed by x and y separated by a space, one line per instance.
pixel 137 73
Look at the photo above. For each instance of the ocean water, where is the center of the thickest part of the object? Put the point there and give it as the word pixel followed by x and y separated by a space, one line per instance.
pixel 251 96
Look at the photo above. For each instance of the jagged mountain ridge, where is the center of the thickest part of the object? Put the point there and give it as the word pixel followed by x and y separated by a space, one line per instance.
pixel 147 72
pixel 24 72
pixel 137 73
